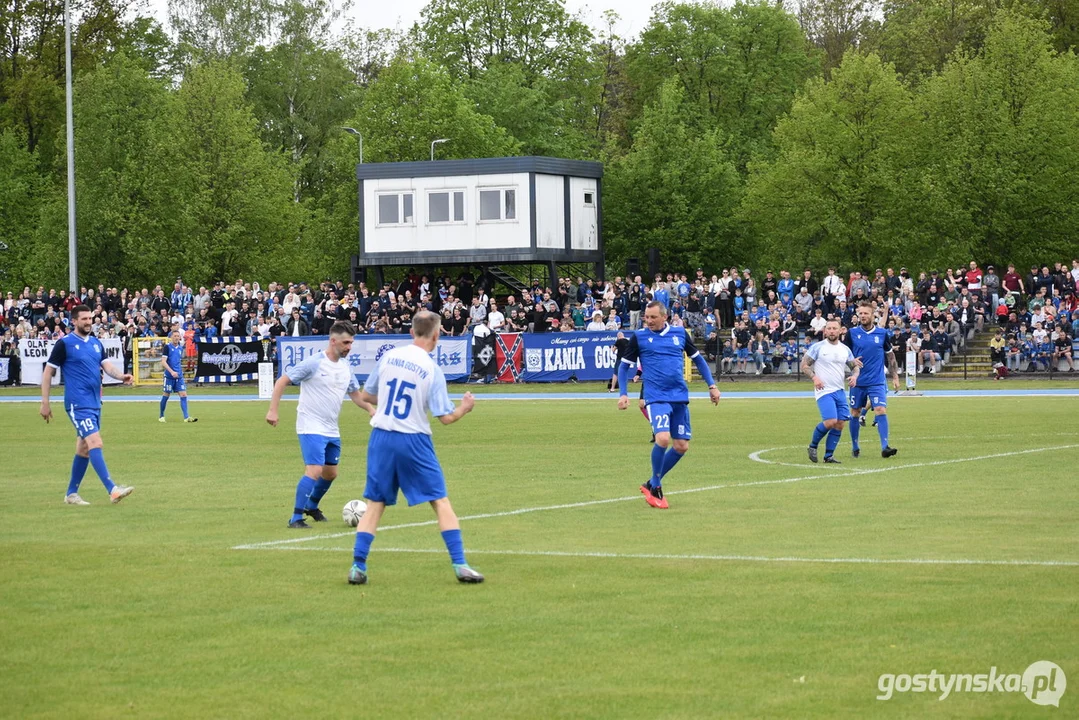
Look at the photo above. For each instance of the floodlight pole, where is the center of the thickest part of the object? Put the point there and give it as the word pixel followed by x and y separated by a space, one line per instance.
pixel 354 131
pixel 72 248
pixel 436 142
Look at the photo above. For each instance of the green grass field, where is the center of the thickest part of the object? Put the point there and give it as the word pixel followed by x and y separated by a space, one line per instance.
pixel 766 589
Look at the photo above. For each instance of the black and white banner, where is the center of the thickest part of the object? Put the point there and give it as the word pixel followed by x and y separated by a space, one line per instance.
pixel 228 359
pixel 6 376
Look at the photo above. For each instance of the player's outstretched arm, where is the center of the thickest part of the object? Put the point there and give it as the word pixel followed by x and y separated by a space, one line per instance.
pixel 275 400
pixel 117 374
pixel 467 403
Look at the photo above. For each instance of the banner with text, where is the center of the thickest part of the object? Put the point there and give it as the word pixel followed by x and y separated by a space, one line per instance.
pixel 34 354
pixel 7 377
pixel 453 355
pixel 228 359
pixel 555 357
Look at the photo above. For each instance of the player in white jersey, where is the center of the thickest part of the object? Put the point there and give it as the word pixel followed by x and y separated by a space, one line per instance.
pixel 324 381
pixel 827 362
pixel 407 384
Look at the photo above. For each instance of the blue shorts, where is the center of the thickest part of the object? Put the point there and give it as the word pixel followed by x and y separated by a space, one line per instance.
pixel 670 418
pixel 877 394
pixel 405 462
pixel 743 353
pixel 171 384
pixel 833 406
pixel 87 421
pixel 320 449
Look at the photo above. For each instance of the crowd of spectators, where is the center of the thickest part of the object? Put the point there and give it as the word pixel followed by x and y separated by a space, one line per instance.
pixel 748 324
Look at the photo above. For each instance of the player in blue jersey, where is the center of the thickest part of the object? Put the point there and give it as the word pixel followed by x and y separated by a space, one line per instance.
pixel 872 345
pixel 172 380
pixel 81 357
pixel 660 347
pixel 827 362
pixel 324 381
pixel 406 384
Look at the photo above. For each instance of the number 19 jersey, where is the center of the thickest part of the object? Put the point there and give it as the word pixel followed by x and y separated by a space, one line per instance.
pixel 408 383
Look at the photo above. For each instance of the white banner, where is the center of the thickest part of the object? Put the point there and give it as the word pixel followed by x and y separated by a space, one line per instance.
pixel 5 369
pixel 114 351
pixel 452 354
pixel 35 353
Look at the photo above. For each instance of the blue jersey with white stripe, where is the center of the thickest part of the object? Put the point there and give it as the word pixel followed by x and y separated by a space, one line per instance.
pixel 870 346
pixel 661 356
pixel 80 360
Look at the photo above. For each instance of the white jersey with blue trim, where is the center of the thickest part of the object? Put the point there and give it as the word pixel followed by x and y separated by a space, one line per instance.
pixel 323 386
pixel 830 365
pixel 408 383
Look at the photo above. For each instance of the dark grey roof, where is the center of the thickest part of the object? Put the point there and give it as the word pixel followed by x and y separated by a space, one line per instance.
pixel 480 166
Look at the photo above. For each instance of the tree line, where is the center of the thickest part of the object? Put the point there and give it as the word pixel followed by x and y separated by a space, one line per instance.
pixel 846 132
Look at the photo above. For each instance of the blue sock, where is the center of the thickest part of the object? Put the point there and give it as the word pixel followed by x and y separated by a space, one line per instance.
pixel 455 545
pixel 832 442
pixel 321 486
pixel 164 402
pixel 855 426
pixel 657 462
pixel 670 459
pixel 78 469
pixel 303 490
pixel 97 459
pixel 882 428
pixel 818 434
pixel 363 547
pixel 183 406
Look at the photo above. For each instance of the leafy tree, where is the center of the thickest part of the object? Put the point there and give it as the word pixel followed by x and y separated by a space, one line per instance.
pixel 841 186
pixel 1001 148
pixel 836 26
pixel 739 68
pixel 414 102
pixel 675 190
pixel 22 188
pixel 301 91
pixel 117 106
pixel 223 204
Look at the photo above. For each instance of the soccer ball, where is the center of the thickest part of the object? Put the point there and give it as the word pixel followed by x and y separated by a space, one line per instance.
pixel 353 511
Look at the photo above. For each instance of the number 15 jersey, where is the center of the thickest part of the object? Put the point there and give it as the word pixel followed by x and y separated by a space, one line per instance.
pixel 408 383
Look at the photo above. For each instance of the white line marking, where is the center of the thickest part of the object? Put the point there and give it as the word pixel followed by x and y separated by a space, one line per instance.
pixel 589 503
pixel 756 455
pixel 725 558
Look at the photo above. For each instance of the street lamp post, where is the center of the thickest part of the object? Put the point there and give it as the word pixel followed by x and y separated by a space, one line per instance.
pixel 436 142
pixel 354 131
pixel 72 251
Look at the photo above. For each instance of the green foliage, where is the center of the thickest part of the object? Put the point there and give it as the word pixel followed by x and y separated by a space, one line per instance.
pixel 224 204
pixel 413 102
pixel 1001 148
pixel 675 190
pixel 839 188
pixel 21 190
pixel 739 68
